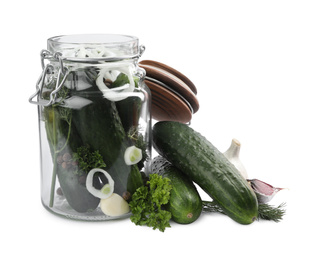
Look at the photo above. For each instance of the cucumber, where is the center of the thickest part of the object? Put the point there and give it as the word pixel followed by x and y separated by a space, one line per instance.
pixel 204 164
pixel 96 124
pixel 129 108
pixel 59 133
pixel 100 128
pixel 75 192
pixel 185 203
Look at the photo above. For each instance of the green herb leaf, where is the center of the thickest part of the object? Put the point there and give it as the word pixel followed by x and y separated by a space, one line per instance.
pixel 147 201
pixel 138 140
pixel 87 159
pixel 269 212
pixel 265 211
pixel 123 79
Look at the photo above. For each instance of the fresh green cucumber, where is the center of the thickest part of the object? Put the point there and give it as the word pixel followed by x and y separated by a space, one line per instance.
pixel 129 108
pixel 185 203
pixel 100 128
pixel 204 164
pixel 94 122
pixel 63 139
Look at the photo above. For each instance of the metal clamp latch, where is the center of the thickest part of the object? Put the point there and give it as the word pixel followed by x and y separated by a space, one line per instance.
pixel 48 69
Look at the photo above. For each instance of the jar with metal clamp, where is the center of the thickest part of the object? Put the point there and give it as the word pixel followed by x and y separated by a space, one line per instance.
pixel 94 123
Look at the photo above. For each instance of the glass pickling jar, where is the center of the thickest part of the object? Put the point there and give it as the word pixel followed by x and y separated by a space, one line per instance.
pixel 94 124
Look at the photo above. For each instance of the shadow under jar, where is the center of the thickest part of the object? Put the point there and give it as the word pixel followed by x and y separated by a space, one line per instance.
pixel 94 124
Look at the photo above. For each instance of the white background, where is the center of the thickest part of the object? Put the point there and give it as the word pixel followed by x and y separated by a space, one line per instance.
pixel 258 69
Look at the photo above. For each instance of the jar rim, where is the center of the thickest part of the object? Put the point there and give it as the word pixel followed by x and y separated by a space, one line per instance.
pixel 115 44
pixel 93 39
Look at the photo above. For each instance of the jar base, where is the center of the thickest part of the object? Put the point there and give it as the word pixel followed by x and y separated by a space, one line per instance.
pixel 62 209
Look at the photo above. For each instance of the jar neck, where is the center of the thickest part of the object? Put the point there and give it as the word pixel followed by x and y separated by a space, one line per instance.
pixel 105 52
pixel 95 48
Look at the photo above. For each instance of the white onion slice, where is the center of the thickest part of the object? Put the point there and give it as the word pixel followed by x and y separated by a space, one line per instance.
pixel 95 192
pixel 132 155
pixel 110 71
pixel 119 93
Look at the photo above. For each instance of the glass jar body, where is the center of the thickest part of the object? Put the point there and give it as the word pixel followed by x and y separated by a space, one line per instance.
pixel 95 136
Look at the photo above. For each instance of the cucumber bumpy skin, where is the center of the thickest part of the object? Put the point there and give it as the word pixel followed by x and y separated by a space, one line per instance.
pixel 100 128
pixel 204 164
pixel 185 203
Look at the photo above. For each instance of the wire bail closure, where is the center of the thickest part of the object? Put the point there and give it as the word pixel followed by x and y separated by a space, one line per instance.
pixel 64 71
pixel 49 69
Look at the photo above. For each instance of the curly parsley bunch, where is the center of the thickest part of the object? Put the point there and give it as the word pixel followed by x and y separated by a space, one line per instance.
pixel 147 201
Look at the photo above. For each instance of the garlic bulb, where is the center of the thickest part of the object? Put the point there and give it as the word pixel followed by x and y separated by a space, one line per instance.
pixel 232 154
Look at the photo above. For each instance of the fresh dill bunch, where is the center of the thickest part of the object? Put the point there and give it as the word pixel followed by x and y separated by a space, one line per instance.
pixel 265 211
pixel 269 212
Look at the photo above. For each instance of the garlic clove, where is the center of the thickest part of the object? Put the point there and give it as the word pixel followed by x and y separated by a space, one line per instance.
pixel 264 191
pixel 232 154
pixel 114 205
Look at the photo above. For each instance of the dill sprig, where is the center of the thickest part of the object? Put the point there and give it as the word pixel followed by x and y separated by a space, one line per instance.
pixel 210 206
pixel 137 139
pixel 269 212
pixel 265 211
